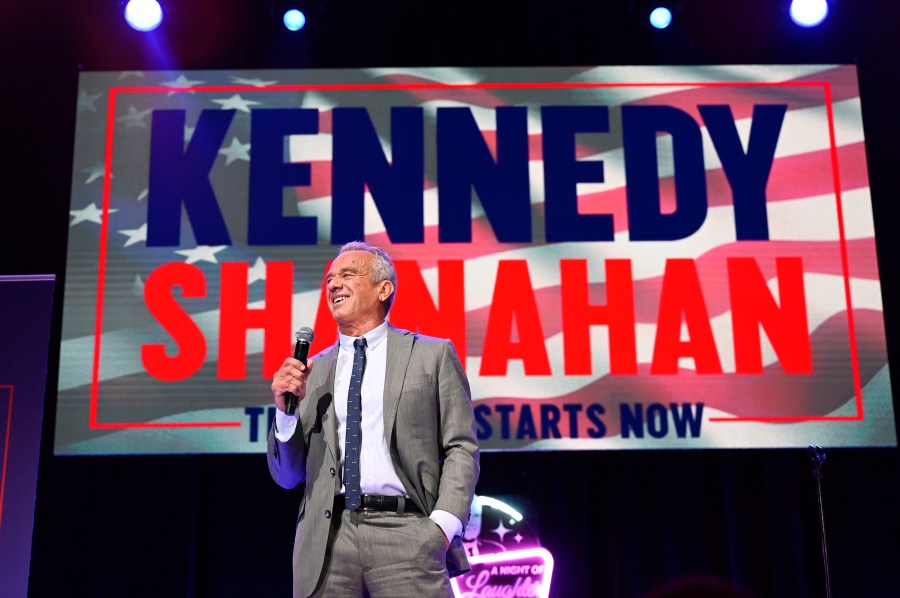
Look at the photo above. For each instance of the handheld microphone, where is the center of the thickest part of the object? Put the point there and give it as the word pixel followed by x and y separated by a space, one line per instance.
pixel 301 352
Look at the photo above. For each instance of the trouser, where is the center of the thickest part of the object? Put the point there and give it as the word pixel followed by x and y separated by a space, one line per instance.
pixel 381 554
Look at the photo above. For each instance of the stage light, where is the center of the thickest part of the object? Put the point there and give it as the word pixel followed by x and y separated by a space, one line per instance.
pixel 294 19
pixel 660 17
pixel 809 13
pixel 143 15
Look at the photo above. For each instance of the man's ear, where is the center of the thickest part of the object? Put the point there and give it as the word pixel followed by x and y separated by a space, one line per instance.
pixel 385 290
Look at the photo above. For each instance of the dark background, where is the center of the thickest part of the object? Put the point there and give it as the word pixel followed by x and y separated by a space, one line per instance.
pixel 650 520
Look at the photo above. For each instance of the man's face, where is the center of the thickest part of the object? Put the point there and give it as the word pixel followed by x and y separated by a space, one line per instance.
pixel 355 301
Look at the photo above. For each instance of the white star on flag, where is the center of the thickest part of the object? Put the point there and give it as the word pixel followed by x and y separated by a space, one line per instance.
pixel 183 83
pixel 237 151
pixel 501 530
pixel 201 253
pixel 134 118
pixel 254 82
pixel 89 213
pixel 188 133
pixel 135 235
pixel 236 102
pixel 86 101
pixel 94 173
pixel 257 271
pixel 143 194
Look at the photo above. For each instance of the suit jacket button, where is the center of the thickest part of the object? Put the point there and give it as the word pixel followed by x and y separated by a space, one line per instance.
pixel 327 514
pixel 333 472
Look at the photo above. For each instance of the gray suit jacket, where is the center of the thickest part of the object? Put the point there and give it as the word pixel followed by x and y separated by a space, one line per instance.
pixel 430 431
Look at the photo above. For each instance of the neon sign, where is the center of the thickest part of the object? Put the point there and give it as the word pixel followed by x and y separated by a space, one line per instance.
pixel 504 552
pixel 507 574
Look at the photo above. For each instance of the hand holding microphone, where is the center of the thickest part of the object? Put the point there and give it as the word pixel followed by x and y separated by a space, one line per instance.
pixel 301 352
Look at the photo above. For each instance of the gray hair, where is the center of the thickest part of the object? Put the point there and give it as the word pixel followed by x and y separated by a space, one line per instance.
pixel 382 267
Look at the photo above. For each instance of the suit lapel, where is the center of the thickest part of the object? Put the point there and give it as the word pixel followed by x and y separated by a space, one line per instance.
pixel 399 350
pixel 329 422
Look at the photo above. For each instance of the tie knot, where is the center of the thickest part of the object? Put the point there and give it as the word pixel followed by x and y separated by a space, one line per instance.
pixel 360 343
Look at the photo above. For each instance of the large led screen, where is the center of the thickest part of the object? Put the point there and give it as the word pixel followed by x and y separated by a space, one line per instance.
pixel 624 257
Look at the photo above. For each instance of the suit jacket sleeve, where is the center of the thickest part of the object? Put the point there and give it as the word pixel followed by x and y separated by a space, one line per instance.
pixel 287 460
pixel 459 444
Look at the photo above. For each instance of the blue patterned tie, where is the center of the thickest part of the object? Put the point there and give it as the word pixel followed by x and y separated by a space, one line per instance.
pixel 352 490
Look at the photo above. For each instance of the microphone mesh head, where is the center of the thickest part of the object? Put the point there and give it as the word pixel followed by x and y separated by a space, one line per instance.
pixel 305 334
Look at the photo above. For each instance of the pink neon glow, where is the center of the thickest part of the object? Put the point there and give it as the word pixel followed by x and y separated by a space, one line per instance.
pixel 5 448
pixel 481 575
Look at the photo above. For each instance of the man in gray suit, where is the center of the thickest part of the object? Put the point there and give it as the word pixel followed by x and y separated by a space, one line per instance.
pixel 387 521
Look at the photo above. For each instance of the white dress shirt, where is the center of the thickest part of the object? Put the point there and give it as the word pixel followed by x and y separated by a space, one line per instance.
pixel 376 469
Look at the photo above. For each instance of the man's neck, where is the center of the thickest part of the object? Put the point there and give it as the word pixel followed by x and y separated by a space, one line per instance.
pixel 358 330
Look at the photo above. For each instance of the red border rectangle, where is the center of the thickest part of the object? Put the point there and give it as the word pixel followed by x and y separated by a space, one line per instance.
pixel 110 129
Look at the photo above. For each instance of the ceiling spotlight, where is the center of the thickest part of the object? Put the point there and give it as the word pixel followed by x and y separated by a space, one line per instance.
pixel 143 15
pixel 294 19
pixel 660 17
pixel 809 13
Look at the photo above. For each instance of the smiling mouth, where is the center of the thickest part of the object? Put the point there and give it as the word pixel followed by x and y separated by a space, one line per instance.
pixel 338 300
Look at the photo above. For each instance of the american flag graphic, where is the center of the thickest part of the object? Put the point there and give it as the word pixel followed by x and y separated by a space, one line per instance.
pixel 817 204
